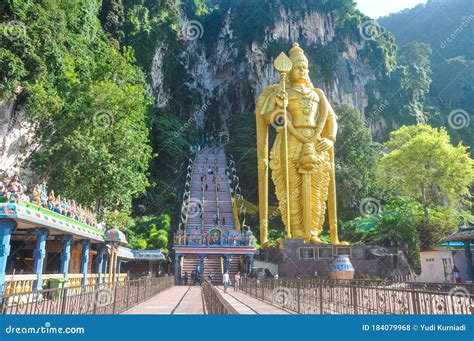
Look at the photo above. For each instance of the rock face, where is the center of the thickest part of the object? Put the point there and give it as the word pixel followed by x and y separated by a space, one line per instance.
pixel 231 75
pixel 16 141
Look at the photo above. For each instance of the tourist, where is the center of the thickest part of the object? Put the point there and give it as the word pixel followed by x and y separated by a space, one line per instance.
pixel 206 187
pixel 193 278
pixel 218 187
pixel 226 280
pixel 210 276
pixel 223 220
pixel 456 276
pixel 185 279
pixel 237 281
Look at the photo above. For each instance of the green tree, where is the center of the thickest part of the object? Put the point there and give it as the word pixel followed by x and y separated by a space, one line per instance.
pixel 421 162
pixel 85 97
pixel 356 158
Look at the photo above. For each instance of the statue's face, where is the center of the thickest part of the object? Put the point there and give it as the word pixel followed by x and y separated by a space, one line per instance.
pixel 299 73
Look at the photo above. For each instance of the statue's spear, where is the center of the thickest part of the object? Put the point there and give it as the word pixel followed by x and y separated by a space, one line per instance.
pixel 283 65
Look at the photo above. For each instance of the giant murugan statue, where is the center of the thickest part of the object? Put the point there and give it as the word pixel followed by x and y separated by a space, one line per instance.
pixel 302 156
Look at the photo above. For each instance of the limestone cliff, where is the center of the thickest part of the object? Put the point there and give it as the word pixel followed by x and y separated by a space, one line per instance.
pixel 223 67
pixel 16 140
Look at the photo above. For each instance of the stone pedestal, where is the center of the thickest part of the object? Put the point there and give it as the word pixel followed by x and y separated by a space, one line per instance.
pixel 309 260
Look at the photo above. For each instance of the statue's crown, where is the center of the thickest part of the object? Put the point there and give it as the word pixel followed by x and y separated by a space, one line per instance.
pixel 296 54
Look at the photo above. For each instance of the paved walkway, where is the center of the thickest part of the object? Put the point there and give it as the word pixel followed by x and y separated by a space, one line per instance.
pixel 247 305
pixel 188 300
pixel 176 300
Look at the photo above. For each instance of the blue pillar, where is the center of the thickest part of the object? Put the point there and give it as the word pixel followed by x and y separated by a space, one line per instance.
pixel 99 262
pixel 468 255
pixel 6 230
pixel 251 262
pixel 65 255
pixel 105 264
pixel 176 267
pixel 119 263
pixel 202 265
pixel 86 246
pixel 39 254
pixel 227 262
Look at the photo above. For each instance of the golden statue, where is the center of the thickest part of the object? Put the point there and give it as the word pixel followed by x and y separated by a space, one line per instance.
pixel 302 156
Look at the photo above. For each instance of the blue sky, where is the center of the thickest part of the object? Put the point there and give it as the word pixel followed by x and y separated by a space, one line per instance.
pixel 378 8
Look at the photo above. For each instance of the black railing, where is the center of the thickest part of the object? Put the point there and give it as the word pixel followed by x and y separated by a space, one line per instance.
pixel 109 298
pixel 392 284
pixel 310 296
pixel 214 302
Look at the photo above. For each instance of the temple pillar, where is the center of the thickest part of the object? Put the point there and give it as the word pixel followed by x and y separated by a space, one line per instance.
pixel 227 263
pixel 6 229
pixel 251 262
pixel 99 262
pixel 39 254
pixel 119 265
pixel 176 267
pixel 202 256
pixel 105 265
pixel 468 255
pixel 86 246
pixel 65 255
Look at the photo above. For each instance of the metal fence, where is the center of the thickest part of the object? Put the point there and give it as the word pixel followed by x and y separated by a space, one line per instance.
pixel 108 298
pixel 214 302
pixel 307 296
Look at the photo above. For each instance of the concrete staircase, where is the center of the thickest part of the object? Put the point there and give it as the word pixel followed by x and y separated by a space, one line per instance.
pixel 210 189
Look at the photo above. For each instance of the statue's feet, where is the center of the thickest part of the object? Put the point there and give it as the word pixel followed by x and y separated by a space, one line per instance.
pixel 337 242
pixel 315 240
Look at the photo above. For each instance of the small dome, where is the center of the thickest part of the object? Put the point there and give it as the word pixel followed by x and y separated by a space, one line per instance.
pixel 115 235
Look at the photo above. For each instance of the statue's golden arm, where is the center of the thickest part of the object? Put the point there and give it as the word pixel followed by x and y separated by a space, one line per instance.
pixel 326 110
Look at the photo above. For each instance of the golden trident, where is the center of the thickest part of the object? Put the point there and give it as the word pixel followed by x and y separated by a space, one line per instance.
pixel 283 65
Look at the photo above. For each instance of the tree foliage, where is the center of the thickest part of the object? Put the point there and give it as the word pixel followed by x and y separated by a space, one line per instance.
pixel 86 97
pixel 356 157
pixel 421 162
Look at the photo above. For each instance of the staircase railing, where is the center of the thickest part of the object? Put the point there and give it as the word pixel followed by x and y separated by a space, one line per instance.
pixel 186 199
pixel 236 195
